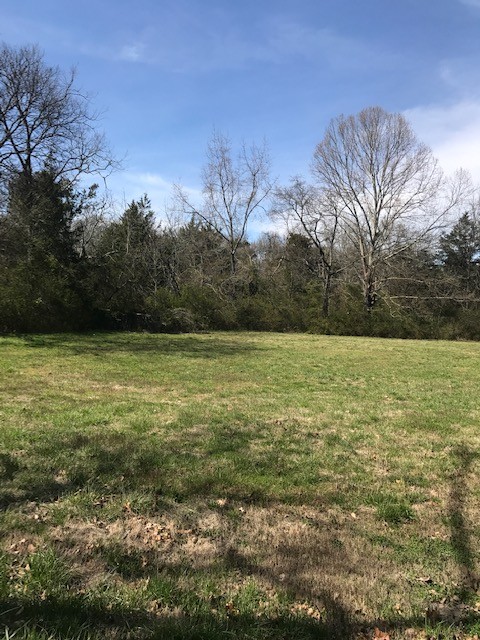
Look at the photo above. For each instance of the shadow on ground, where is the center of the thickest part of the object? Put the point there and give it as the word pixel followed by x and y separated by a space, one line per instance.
pixel 461 539
pixel 194 345
pixel 63 617
pixel 106 461
pixel 65 620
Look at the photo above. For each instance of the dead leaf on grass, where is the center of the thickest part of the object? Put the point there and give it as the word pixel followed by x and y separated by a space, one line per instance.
pixel 306 609
pixel 231 610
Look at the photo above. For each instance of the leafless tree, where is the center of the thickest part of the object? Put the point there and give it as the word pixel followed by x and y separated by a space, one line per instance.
pixel 45 121
pixel 382 179
pixel 233 191
pixel 314 213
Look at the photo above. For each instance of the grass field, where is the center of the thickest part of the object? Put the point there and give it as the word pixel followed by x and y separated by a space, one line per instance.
pixel 238 486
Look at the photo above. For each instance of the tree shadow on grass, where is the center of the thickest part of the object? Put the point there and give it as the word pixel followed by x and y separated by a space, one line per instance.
pixel 464 457
pixel 340 621
pixel 180 611
pixel 125 462
pixel 112 463
pixel 62 617
pixel 199 618
pixel 215 463
pixel 191 345
pixel 77 461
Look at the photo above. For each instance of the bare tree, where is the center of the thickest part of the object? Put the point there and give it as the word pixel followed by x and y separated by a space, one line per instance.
pixel 382 179
pixel 233 191
pixel 45 121
pixel 313 213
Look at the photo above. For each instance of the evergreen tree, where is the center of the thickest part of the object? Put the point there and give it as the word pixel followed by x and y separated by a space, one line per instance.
pixel 460 250
pixel 126 260
pixel 42 271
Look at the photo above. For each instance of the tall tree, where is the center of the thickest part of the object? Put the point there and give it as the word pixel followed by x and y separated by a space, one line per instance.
pixel 45 121
pixel 382 179
pixel 312 213
pixel 234 189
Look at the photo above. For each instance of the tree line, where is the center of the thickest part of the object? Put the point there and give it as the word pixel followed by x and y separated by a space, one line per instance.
pixel 377 240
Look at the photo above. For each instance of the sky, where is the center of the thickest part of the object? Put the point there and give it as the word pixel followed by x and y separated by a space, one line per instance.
pixel 165 74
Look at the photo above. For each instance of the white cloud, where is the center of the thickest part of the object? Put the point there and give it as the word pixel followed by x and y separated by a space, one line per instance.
pixel 453 133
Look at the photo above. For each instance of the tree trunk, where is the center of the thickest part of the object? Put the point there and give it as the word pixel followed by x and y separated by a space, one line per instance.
pixel 326 295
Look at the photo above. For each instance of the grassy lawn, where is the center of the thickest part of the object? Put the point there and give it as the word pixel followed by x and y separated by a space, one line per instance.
pixel 238 486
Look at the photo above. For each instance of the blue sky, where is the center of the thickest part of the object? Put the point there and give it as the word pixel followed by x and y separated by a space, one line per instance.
pixel 165 73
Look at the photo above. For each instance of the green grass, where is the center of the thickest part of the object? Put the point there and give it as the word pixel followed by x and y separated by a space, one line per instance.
pixel 238 485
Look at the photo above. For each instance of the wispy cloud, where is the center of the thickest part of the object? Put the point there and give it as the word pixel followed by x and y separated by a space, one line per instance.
pixel 132 185
pixel 229 48
pixel 115 48
pixel 276 42
pixel 471 3
pixel 288 38
pixel 131 53
pixel 461 75
pixel 180 43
